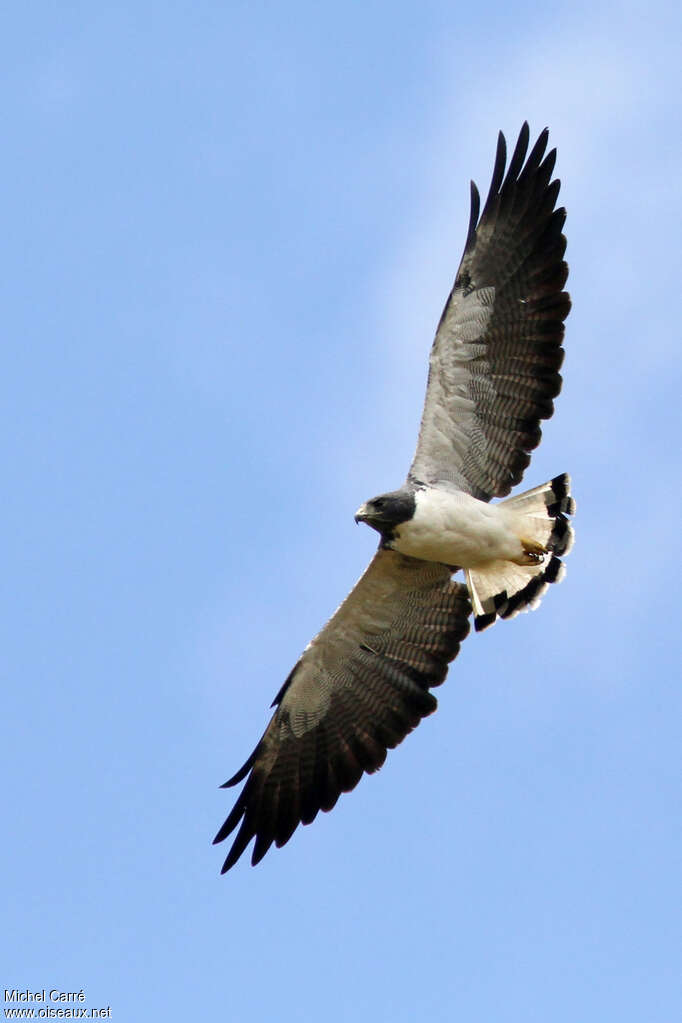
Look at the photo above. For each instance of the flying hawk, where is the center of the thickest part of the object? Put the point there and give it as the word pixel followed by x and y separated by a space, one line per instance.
pixel 364 681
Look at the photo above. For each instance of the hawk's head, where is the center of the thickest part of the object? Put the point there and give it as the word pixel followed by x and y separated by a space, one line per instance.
pixel 387 511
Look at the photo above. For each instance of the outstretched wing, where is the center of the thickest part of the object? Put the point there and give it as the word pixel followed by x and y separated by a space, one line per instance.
pixel 495 361
pixel 361 685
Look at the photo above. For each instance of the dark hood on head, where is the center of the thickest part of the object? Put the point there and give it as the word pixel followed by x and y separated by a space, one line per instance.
pixel 387 511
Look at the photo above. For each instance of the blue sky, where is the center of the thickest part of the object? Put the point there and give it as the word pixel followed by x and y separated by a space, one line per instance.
pixel 229 230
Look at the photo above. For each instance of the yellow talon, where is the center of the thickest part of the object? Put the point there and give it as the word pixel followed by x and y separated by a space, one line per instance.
pixel 533 550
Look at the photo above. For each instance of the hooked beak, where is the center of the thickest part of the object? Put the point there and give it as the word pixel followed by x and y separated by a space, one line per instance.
pixel 362 514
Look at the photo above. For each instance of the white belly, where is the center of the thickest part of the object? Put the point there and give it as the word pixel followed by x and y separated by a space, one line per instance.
pixel 458 529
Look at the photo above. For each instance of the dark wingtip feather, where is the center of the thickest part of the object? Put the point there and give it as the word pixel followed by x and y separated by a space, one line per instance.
pixel 518 156
pixel 244 836
pixel 498 172
pixel 261 846
pixel 232 819
pixel 473 216
pixel 537 152
pixel 243 771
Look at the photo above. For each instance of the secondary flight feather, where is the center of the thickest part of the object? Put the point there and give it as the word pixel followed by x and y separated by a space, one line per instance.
pixel 364 681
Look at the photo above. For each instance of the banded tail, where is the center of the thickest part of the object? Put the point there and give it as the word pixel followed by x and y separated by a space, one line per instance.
pixel 501 589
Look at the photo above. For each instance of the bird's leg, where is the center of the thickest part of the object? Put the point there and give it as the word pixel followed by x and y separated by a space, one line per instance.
pixel 534 552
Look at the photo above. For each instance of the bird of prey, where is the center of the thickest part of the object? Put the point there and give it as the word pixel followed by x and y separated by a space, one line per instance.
pixel 364 681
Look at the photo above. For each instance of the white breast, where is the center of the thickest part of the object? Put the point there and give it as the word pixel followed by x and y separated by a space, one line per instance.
pixel 457 529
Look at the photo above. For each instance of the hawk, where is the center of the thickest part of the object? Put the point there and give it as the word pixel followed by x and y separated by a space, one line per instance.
pixel 364 681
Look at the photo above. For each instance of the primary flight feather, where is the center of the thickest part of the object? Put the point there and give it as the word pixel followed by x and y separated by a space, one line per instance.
pixel 364 681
